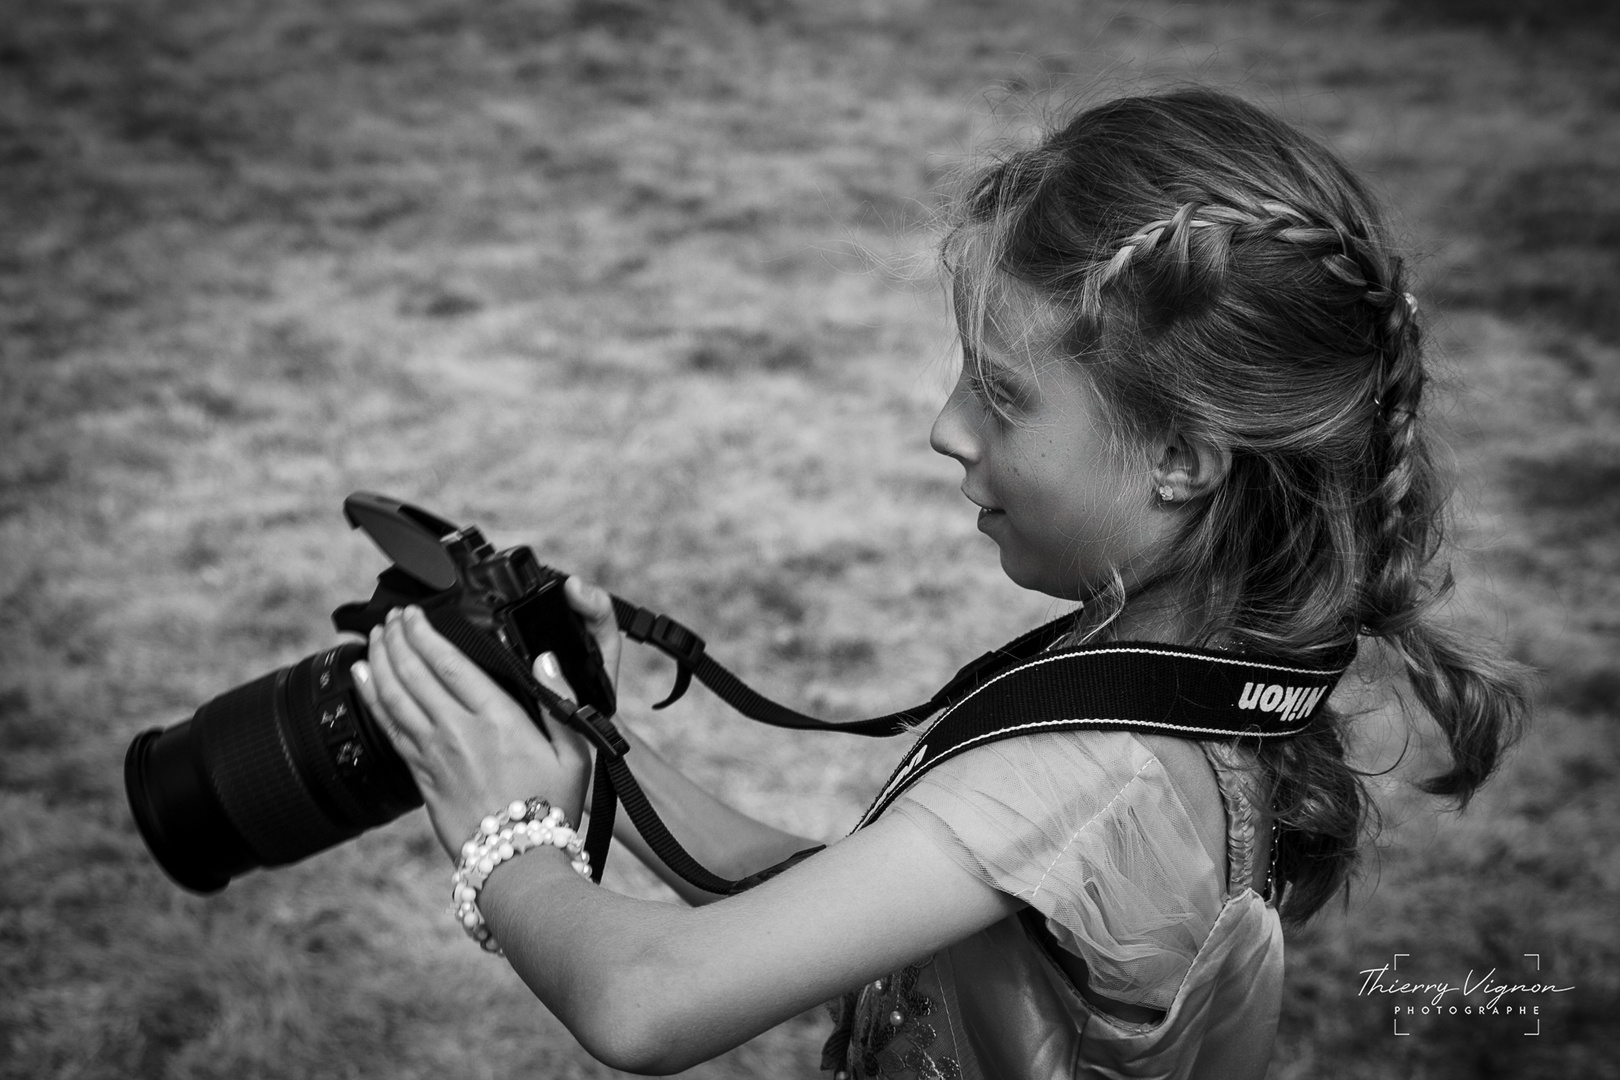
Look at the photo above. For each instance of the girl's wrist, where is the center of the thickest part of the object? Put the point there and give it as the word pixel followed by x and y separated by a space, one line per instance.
pixel 457 818
pixel 522 826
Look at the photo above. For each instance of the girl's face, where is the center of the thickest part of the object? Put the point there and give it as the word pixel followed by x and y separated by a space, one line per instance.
pixel 1062 497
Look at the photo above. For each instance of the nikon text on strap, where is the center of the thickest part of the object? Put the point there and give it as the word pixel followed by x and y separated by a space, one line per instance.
pixel 1135 686
pixel 1021 688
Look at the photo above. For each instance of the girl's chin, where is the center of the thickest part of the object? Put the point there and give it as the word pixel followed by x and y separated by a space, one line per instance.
pixel 1036 577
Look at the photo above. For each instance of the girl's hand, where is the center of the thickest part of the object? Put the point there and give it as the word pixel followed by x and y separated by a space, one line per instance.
pixel 470 747
pixel 595 606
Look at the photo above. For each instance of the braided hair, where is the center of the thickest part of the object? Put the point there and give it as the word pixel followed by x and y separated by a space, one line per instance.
pixel 1220 275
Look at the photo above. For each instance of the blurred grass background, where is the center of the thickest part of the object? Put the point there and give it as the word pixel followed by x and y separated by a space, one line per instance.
pixel 638 283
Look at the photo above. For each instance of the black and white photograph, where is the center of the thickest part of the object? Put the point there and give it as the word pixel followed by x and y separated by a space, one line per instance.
pixel 842 539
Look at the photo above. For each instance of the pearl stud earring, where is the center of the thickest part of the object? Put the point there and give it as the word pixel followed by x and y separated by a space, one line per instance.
pixel 1166 494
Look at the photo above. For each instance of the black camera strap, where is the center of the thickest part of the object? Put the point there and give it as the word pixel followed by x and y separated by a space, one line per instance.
pixel 1144 687
pixel 1021 688
pixel 691 658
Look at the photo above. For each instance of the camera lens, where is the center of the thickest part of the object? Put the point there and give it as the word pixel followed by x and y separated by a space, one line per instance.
pixel 265 774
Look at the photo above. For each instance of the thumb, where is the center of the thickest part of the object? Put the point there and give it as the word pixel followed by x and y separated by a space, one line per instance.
pixel 549 673
pixel 594 604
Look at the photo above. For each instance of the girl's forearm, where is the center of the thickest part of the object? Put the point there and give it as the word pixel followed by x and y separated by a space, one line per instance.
pixel 721 838
pixel 654 987
pixel 580 948
pixel 644 986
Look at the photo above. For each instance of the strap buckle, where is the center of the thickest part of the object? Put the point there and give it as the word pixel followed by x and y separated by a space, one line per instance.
pixel 684 646
pixel 599 730
pixel 676 641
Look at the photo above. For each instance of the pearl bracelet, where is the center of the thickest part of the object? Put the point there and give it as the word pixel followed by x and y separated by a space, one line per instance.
pixel 522 825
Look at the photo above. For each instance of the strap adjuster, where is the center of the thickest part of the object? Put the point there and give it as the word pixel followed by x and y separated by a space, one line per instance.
pixel 599 730
pixel 678 641
pixel 675 640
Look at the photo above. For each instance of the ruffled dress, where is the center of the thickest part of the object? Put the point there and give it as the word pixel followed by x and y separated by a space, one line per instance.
pixel 1114 842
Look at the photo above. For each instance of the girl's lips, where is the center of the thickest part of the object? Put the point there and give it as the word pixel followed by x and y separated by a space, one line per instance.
pixel 987 514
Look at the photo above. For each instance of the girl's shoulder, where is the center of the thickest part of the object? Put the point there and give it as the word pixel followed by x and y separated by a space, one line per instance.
pixel 1117 839
pixel 1077 776
pixel 1039 799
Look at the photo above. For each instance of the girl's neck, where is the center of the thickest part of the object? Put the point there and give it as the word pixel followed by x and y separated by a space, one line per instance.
pixel 1162 611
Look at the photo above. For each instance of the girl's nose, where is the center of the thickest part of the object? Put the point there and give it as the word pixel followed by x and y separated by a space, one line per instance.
pixel 952 435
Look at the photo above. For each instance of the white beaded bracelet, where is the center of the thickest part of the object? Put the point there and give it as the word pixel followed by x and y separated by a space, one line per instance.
pixel 519 827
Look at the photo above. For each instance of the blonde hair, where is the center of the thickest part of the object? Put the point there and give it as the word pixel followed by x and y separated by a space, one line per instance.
pixel 1220 275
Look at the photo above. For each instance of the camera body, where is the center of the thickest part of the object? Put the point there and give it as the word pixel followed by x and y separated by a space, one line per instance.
pixel 293 763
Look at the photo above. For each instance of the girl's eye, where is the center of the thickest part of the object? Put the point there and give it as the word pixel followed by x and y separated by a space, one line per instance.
pixel 989 393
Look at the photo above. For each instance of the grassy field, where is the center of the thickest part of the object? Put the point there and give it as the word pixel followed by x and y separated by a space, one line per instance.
pixel 646 285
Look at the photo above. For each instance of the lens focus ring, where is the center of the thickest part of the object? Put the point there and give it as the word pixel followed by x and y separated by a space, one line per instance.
pixel 256 778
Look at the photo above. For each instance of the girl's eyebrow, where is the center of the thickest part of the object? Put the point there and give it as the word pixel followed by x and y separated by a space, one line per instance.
pixel 991 369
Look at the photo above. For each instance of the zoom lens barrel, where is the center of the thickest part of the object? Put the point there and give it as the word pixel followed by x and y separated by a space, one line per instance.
pixel 265 774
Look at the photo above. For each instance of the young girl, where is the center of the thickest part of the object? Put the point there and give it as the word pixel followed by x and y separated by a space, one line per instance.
pixel 1191 398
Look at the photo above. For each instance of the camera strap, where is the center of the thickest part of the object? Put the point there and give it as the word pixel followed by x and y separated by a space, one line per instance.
pixel 691 658
pixel 1145 687
pixel 1022 688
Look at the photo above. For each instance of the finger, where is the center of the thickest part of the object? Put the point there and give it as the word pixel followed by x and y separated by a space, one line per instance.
pixel 462 679
pixel 565 738
pixel 387 696
pixel 549 674
pixel 591 601
pixel 365 685
pixel 415 675
pixel 595 606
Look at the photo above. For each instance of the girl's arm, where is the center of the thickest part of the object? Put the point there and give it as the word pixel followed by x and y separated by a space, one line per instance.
pixel 646 986
pixel 656 988
pixel 724 840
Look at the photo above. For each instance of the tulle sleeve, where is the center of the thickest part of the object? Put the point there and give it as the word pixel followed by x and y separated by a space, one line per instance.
pixel 1087 828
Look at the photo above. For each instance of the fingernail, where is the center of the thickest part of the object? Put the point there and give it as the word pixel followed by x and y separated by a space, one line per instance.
pixel 361 672
pixel 548 664
pixel 413 612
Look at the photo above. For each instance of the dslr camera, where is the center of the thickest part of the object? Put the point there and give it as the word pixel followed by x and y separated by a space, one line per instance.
pixel 292 763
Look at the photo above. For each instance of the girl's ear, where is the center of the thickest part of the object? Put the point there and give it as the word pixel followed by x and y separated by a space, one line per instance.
pixel 1189 468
